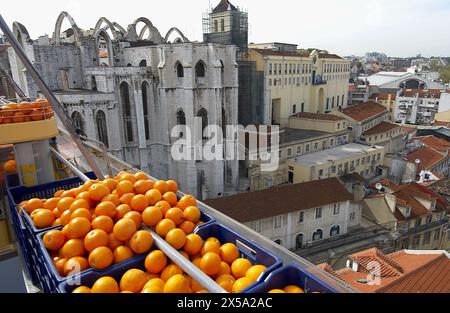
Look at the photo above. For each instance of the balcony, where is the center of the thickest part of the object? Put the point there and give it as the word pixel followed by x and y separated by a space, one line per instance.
pixel 422 228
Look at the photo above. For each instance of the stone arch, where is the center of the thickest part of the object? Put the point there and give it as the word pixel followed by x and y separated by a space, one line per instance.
pixel 102 127
pixel 119 28
pixel 145 88
pixel 180 34
pixel 77 120
pixel 21 33
pixel 104 34
pixel 57 34
pixel 413 83
pixel 155 35
pixel 200 69
pixel 179 69
pixel 335 230
pixel 116 34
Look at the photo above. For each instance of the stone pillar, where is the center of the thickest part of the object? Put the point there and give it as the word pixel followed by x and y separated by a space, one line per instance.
pixel 142 142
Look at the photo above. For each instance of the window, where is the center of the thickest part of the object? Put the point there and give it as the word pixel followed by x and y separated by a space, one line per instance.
pixel 143 63
pixel 316 146
pixel 204 115
pixel 357 162
pixel 200 69
pixel 270 82
pixel 299 150
pixel 216 26
pixel 303 107
pixel 379 156
pixel 335 230
pixel 222 25
pixel 299 241
pixel 93 83
pixel 320 173
pixel 336 208
pixel 285 69
pixel 368 159
pixel 145 109
pixel 331 142
pixel 270 69
pixel 289 152
pixel 363 161
pixel 418 222
pixel 279 69
pixel 352 216
pixel 333 169
pixel 317 235
pixel 318 213
pixel 339 126
pixel 180 70
pixel 429 219
pixel 257 226
pixel 437 234
pixel 125 97
pixel 277 222
pixel 181 120
pixel 301 217
pixel 307 148
pixel 324 145
pixel 416 241
pixel 426 237
pixel 78 121
pixel 102 130
pixel 278 242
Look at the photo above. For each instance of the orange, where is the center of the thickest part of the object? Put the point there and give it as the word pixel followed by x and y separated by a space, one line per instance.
pixel 65 203
pixel 110 183
pixel 173 186
pixel 18 117
pixel 32 214
pixel 276 291
pixel 104 223
pixel 176 215
pixel 96 238
pixel 139 203
pixel 177 284
pixel 57 222
pixel 171 198
pixel 58 194
pixel 105 285
pixel 44 219
pixel 98 191
pixel 293 289
pixel 126 198
pixel 10 166
pixel 113 198
pixel 68 194
pixel 229 252
pixel 33 204
pixel 114 242
pixel 155 262
pixel 153 196
pixel 124 187
pixel 79 227
pixel 240 284
pixel 163 205
pixel 176 238
pixel 164 226
pixel 106 208
pixel 226 282
pixel 133 280
pixel 141 242
pixel 152 289
pixel 187 227
pixel 81 213
pixel 51 203
pixel 195 286
pixel 101 258
pixel 196 261
pixel 65 217
pixel 122 253
pixel 186 201
pixel 82 289
pixel 136 217
pixel 65 231
pixel 54 240
pixel 55 212
pixel 169 271
pixel 84 195
pixel 254 272
pixel 141 176
pixel 162 186
pixel 79 204
pixel 210 263
pixel 72 248
pixel 59 265
pixel 193 244
pixel 155 282
pixel 142 186
pixel 25 107
pixel 121 210
pixel 75 265
pixel 210 246
pixel 124 229
pixel 185 255
pixel 240 267
pixel 224 268
pixel 199 223
pixel 128 177
pixel 151 216
pixel 192 214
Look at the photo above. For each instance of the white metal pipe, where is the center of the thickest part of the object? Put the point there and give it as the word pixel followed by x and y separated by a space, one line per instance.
pixel 72 167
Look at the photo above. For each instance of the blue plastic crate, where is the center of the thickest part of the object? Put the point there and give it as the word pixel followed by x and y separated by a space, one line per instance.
pixel 292 275
pixel 248 249
pixel 12 180
pixel 88 278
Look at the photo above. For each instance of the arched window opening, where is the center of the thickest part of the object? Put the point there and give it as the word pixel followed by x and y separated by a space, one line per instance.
pixel 104 49
pixel 143 63
pixel 299 241
pixel 78 121
pixel 180 70
pixel 129 65
pixel 181 120
pixel 335 230
pixel 224 122
pixel 93 83
pixel 318 235
pixel 102 129
pixel 278 242
pixel 145 109
pixel 204 115
pixel 200 69
pixel 125 97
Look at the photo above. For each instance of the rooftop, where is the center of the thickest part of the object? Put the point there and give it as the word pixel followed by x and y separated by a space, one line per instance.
pixel 224 6
pixel 383 96
pixel 364 111
pixel 318 116
pixel 383 127
pixel 428 158
pixel 288 135
pixel 329 56
pixel 438 144
pixel 252 206
pixel 382 78
pixel 403 271
pixel 334 154
pixel 281 53
pixel 423 93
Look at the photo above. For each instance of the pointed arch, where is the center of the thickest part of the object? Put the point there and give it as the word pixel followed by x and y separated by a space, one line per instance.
pixel 204 116
pixel 179 69
pixel 200 69
pixel 127 114
pixel 116 34
pixel 102 33
pixel 145 88
pixel 154 36
pixel 21 33
pixel 77 120
pixel 102 129
pixel 119 28
pixel 181 35
pixel 57 34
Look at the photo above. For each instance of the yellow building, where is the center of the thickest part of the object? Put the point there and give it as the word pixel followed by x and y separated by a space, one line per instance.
pixel 297 81
pixel 387 100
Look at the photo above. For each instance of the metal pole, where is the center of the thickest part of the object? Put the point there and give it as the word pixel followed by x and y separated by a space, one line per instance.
pixel 72 167
pixel 104 151
pixel 57 107
pixel 186 265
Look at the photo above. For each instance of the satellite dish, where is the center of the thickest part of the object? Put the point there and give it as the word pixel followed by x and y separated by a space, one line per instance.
pixel 417 161
pixel 379 186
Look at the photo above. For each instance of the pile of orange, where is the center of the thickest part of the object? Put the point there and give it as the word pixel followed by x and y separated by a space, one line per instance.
pixel 25 111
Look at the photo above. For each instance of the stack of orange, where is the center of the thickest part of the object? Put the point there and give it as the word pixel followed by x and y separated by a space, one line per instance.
pixel 25 111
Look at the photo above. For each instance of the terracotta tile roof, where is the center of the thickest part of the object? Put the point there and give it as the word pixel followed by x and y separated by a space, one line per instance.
pixel 384 96
pixel 327 268
pixel 383 127
pixel 442 187
pixel 440 123
pixel 281 53
pixel 428 158
pixel 438 144
pixel 224 6
pixel 252 206
pixel 421 272
pixel 318 116
pixel 364 111
pixel 436 93
pixel 329 56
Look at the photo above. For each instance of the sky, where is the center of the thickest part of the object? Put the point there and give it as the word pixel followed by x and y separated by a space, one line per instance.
pixel 347 27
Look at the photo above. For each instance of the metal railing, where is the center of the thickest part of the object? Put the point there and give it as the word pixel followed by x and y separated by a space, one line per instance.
pixel 422 228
